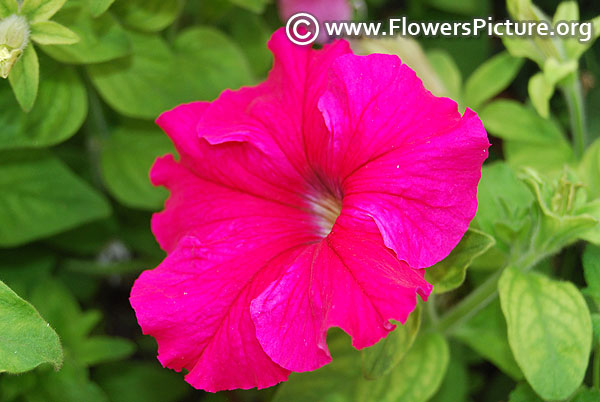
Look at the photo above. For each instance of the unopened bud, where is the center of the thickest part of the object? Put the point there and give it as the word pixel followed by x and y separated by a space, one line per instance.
pixel 14 37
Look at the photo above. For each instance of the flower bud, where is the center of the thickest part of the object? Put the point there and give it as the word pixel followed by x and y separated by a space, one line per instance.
pixel 14 37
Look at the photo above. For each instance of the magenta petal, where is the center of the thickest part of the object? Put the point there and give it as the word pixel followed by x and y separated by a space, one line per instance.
pixel 415 172
pixel 196 305
pixel 280 116
pixel 349 280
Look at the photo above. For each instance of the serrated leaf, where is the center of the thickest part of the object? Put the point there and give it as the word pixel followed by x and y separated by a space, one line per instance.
pixel 416 378
pixel 126 158
pixel 449 273
pixel 26 340
pixel 41 10
pixel 24 78
pixel 148 15
pixel 58 113
pixel 204 60
pixel 491 78
pixel 100 39
pixel 549 331
pixel 381 358
pixel 485 333
pixel 41 197
pixel 52 33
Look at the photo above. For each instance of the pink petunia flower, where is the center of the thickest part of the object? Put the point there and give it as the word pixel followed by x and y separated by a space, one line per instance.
pixel 322 10
pixel 310 201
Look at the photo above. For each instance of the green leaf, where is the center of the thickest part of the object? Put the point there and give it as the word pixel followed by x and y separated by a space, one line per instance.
pixel 485 333
pixel 24 78
pixel 127 156
pixel 40 197
pixel 591 270
pixel 148 15
pixel 250 32
pixel 575 48
pixel 336 381
pixel 449 273
pixel 447 71
pixel 589 169
pixel 8 7
pixel 103 349
pixel 99 7
pixel 456 384
pixel 561 203
pixel 549 331
pixel 26 340
pixel 556 71
pixel 524 47
pixel 381 358
pixel 540 92
pixel 587 395
pixel 70 384
pixel 204 61
pixel 256 6
pixel 511 120
pixel 530 140
pixel 41 10
pixel 140 382
pixel 566 11
pixel 503 211
pixel 101 39
pixel 596 326
pixel 491 78
pixel 58 113
pixel 23 269
pixel 416 378
pixel 52 33
pixel 523 393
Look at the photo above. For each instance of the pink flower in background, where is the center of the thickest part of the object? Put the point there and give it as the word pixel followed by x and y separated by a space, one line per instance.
pixel 322 10
pixel 310 201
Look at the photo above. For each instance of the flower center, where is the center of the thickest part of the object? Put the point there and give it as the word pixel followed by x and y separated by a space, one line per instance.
pixel 326 209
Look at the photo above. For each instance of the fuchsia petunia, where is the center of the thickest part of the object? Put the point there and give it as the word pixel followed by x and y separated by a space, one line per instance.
pixel 310 201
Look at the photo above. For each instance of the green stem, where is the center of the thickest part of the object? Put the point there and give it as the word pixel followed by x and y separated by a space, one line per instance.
pixel 470 305
pixel 574 96
pixel 483 295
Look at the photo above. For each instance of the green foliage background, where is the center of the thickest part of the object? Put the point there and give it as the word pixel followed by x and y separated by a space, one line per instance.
pixel 515 314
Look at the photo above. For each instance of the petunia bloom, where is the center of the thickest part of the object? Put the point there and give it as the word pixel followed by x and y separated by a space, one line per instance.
pixel 310 201
pixel 329 10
